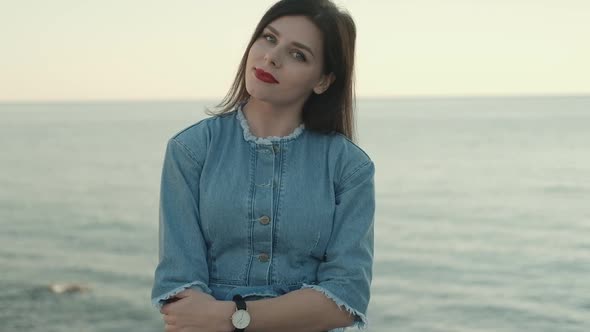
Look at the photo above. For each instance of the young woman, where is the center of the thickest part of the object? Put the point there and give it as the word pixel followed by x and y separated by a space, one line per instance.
pixel 267 206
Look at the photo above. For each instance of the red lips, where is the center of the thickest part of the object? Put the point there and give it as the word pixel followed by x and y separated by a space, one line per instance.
pixel 265 77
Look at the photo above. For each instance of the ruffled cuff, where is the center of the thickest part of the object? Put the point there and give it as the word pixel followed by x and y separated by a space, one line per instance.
pixel 360 322
pixel 158 302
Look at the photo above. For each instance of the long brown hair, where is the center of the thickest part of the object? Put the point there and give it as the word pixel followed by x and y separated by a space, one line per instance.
pixel 331 111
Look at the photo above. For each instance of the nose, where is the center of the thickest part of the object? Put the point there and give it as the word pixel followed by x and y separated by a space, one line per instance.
pixel 272 57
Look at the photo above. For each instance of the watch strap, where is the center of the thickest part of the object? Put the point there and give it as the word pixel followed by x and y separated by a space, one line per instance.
pixel 240 305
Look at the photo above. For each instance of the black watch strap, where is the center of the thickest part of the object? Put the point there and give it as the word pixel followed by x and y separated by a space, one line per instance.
pixel 241 305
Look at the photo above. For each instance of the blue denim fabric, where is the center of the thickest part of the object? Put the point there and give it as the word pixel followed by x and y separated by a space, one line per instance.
pixel 262 217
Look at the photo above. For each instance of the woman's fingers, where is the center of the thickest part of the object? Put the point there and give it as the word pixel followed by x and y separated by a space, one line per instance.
pixel 169 320
pixel 166 307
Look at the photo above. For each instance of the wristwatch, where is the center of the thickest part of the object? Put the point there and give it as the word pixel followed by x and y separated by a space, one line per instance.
pixel 241 318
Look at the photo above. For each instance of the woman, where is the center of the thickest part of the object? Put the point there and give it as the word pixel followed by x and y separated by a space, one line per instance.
pixel 266 207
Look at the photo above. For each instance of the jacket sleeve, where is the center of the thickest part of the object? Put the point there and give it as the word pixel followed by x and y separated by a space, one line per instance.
pixel 182 248
pixel 345 275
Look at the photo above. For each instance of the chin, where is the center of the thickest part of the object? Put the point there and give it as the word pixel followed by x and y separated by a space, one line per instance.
pixel 261 92
pixel 265 98
pixel 268 93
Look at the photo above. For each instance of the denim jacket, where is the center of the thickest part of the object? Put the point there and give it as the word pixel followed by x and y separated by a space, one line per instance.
pixel 261 217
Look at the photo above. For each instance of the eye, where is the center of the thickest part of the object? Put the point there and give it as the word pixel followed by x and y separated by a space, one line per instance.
pixel 299 56
pixel 269 37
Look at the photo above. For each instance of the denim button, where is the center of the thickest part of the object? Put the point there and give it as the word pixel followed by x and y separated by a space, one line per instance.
pixel 263 257
pixel 264 220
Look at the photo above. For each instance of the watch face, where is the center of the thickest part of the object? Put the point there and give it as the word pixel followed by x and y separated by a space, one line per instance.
pixel 240 319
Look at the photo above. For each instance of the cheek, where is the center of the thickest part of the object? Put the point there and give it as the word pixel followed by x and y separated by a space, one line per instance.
pixel 256 51
pixel 303 78
pixel 250 56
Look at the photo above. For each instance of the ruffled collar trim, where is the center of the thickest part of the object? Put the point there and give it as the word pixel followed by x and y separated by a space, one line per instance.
pixel 248 136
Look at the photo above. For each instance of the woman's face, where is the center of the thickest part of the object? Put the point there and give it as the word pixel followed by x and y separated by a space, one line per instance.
pixel 290 49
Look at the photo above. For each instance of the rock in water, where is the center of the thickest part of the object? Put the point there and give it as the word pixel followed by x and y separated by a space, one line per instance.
pixel 58 288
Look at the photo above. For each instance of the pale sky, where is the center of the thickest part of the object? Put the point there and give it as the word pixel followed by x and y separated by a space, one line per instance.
pixel 190 49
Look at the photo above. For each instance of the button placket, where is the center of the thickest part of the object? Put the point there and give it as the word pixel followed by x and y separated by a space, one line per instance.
pixel 262 212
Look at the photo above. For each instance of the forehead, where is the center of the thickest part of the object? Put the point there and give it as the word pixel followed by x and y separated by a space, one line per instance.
pixel 298 29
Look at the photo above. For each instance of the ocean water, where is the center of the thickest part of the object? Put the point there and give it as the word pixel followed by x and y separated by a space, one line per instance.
pixel 482 221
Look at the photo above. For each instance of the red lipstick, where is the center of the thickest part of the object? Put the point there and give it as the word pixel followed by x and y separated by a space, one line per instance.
pixel 264 76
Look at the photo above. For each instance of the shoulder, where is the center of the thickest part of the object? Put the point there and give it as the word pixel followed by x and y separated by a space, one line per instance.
pixel 347 149
pixel 202 129
pixel 199 134
pixel 196 138
pixel 349 160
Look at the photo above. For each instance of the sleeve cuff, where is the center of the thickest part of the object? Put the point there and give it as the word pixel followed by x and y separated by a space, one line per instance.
pixel 158 301
pixel 361 321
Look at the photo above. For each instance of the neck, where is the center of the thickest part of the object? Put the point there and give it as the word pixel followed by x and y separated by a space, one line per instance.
pixel 265 119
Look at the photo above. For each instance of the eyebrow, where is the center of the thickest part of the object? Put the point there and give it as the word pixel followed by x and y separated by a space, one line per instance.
pixel 298 44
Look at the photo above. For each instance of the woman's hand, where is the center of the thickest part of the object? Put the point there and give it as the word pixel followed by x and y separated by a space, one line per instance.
pixel 196 311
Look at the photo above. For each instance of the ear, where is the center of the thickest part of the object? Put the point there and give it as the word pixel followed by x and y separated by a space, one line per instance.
pixel 324 83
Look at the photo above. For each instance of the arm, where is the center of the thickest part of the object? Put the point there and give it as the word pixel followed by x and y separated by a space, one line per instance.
pixel 342 295
pixel 300 310
pixel 182 248
pixel 345 275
